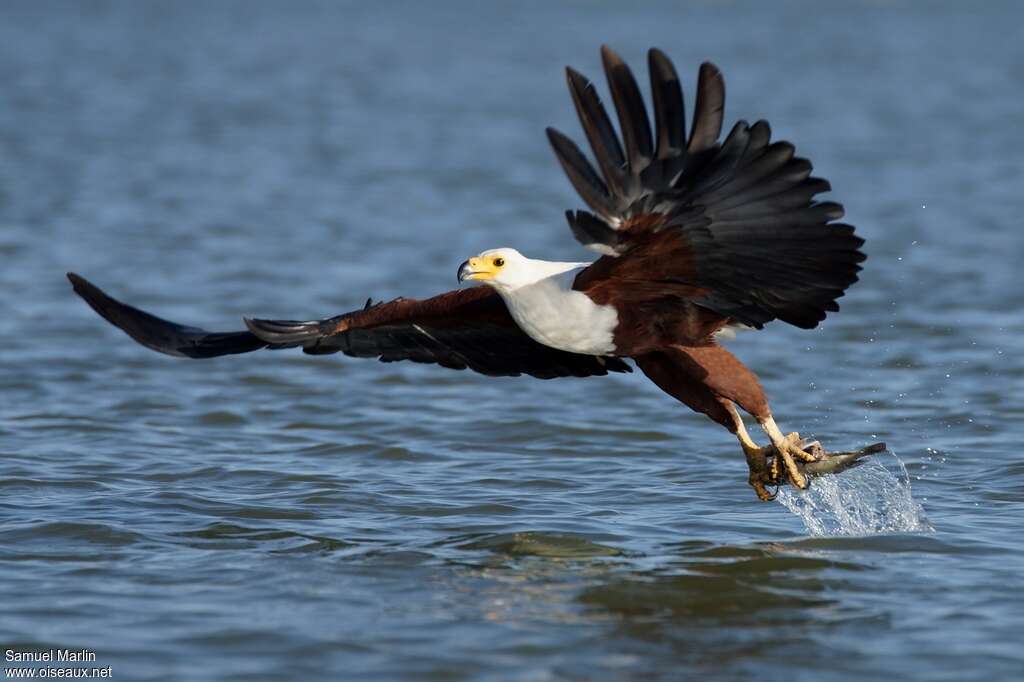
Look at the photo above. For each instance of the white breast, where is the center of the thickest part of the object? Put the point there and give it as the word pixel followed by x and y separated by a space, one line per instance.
pixel 551 313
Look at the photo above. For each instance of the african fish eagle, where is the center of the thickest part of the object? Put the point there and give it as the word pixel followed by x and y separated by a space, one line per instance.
pixel 697 236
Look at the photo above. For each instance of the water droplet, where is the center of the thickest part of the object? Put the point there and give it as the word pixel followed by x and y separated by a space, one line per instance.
pixel 870 499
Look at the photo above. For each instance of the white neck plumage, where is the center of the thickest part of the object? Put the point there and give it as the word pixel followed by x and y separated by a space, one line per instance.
pixel 540 297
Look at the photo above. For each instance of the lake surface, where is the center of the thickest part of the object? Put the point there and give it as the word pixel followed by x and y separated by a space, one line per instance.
pixel 331 518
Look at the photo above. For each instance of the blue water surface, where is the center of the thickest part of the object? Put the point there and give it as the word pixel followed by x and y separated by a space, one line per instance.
pixel 301 517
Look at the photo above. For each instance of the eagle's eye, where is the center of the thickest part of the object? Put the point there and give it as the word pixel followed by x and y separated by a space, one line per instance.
pixel 498 262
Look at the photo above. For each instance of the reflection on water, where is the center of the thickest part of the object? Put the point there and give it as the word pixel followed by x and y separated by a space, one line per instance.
pixel 702 604
pixel 549 545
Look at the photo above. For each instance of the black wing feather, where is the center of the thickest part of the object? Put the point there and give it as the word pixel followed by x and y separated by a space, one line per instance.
pixel 582 175
pixel 159 334
pixel 669 109
pixel 600 133
pixel 709 109
pixel 761 246
pixel 636 129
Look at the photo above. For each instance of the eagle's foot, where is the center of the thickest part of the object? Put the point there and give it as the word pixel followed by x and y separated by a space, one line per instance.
pixel 769 470
pixel 788 451
pixel 789 458
pixel 761 476
pixel 783 461
pixel 784 465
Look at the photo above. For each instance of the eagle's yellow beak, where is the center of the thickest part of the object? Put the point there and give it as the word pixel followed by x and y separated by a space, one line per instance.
pixel 479 268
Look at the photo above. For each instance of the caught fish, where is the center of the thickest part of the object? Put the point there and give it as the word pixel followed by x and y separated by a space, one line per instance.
pixel 835 462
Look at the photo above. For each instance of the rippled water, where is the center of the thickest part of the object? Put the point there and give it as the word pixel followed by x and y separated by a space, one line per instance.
pixel 323 517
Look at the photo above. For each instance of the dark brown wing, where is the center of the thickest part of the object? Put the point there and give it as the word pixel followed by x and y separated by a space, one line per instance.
pixel 734 223
pixel 469 328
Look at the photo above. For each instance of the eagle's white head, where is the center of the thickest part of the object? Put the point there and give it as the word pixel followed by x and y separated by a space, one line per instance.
pixel 507 270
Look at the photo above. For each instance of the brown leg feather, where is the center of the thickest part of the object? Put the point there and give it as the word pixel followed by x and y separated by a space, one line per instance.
pixel 711 380
pixel 724 375
pixel 670 371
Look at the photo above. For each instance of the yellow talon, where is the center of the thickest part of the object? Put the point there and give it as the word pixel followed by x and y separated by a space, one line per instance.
pixel 787 450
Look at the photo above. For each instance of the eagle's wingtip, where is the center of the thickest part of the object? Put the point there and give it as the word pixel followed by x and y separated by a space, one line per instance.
pixel 86 289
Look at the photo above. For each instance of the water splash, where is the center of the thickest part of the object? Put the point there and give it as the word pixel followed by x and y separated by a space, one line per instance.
pixel 872 498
